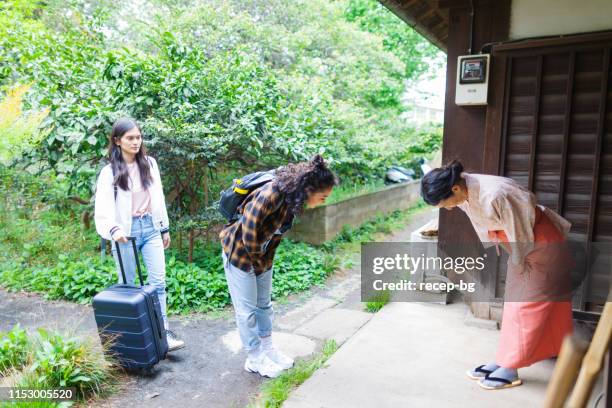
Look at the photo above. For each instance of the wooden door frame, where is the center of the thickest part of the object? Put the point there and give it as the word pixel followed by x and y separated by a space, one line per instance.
pixel 499 98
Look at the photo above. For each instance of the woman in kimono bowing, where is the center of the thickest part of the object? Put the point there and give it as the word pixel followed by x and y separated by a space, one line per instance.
pixel 537 310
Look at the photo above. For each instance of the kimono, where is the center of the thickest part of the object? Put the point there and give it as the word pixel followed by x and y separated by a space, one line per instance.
pixel 537 312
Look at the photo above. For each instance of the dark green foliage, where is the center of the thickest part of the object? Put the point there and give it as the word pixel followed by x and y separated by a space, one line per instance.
pixel 50 360
pixel 73 280
pixel 218 85
pixel 199 286
pixel 59 361
pixel 430 140
pixel 221 88
pixel 14 349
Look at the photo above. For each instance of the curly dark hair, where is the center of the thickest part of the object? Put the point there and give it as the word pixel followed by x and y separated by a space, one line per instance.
pixel 297 181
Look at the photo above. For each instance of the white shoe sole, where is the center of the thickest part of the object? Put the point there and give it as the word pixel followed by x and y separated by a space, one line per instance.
pixel 286 366
pixel 252 370
pixel 176 347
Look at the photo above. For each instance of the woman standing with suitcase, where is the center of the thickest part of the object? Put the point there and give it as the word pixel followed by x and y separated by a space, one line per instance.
pixel 130 202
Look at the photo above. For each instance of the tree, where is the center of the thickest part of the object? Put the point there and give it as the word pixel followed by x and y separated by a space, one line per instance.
pixel 221 88
pixel 18 130
pixel 399 38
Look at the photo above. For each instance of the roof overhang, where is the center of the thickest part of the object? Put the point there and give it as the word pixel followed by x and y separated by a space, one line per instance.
pixel 428 17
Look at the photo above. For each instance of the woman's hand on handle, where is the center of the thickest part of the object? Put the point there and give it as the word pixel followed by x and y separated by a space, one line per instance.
pixel 166 239
pixel 119 237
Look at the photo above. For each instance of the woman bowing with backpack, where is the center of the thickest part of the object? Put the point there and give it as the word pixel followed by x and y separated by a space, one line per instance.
pixel 249 244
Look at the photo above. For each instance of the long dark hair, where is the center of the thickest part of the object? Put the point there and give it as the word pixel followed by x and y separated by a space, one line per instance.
pixel 297 181
pixel 119 166
pixel 438 183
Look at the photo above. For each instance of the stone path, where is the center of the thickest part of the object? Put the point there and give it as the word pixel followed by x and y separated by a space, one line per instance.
pixel 208 372
pixel 415 355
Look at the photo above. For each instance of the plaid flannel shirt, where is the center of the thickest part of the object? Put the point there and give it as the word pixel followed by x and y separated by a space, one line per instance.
pixel 252 239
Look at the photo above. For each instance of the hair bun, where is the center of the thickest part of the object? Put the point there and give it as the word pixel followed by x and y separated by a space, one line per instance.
pixel 455 167
pixel 454 170
pixel 318 161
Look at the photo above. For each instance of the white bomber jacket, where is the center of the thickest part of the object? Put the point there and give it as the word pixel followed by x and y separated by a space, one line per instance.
pixel 112 215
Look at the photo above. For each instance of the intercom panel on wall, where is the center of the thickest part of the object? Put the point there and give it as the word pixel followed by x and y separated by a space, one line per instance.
pixel 472 79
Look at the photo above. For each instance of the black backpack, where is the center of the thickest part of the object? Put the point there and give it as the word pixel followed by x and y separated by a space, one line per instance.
pixel 232 197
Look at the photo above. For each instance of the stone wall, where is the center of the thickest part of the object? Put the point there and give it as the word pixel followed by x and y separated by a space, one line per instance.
pixel 323 223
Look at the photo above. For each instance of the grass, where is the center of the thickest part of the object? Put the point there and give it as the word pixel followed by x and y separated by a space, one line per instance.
pixel 275 391
pixel 346 191
pixel 350 239
pixel 378 302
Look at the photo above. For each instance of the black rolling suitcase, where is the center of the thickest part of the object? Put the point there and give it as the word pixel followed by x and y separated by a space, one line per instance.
pixel 130 318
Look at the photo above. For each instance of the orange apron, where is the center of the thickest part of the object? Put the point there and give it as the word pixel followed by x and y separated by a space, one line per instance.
pixel 537 311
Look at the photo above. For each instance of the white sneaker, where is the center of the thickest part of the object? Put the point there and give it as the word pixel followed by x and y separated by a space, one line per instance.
pixel 279 358
pixel 263 365
pixel 173 342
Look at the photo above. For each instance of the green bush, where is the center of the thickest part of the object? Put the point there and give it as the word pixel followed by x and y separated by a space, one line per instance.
pixel 18 129
pixel 298 266
pixel 75 280
pixel 255 82
pixel 221 88
pixel 38 222
pixel 50 360
pixel 14 349
pixel 199 286
pixel 194 288
pixel 58 361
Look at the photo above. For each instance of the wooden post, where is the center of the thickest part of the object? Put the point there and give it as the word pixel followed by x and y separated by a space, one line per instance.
pixel 464 126
pixel 566 371
pixel 607 385
pixel 593 360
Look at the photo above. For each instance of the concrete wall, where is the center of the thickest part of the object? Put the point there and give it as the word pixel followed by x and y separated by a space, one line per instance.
pixel 535 18
pixel 323 223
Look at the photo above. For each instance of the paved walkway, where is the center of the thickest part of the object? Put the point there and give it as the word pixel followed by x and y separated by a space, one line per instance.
pixel 406 355
pixel 416 355
pixel 208 372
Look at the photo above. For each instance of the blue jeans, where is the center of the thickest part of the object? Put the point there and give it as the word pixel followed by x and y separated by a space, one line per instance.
pixel 150 244
pixel 251 297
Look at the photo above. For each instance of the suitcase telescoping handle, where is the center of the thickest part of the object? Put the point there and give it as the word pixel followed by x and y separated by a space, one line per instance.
pixel 133 240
